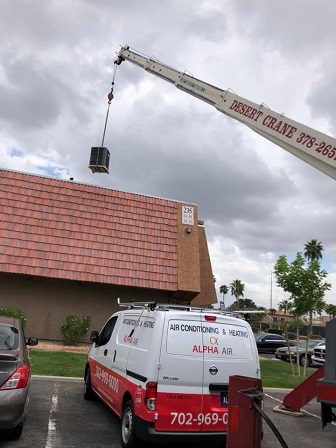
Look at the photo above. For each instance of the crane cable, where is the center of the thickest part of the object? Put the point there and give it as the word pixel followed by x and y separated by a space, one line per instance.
pixel 110 98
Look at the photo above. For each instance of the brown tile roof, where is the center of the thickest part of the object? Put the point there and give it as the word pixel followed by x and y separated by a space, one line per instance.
pixel 62 229
pixel 280 313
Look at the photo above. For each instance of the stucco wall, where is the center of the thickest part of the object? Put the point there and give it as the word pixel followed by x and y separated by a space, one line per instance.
pixel 46 302
pixel 207 296
pixel 188 256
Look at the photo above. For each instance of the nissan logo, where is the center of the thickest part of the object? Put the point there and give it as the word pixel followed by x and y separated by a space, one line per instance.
pixel 213 370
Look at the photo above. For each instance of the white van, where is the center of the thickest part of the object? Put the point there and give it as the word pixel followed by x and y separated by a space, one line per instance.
pixel 164 370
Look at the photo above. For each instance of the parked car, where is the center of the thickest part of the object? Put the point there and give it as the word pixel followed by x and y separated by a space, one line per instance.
pixel 319 355
pixel 268 342
pixel 14 376
pixel 299 349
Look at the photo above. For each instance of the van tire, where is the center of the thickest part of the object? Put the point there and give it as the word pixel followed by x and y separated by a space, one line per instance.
pixel 128 430
pixel 88 391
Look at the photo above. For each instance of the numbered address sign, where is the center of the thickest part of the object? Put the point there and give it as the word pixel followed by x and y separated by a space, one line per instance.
pixel 188 215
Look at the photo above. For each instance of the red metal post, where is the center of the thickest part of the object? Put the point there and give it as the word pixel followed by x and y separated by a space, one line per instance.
pixel 244 425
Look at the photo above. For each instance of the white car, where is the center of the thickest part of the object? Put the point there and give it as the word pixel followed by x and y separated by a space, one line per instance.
pixel 319 355
pixel 300 351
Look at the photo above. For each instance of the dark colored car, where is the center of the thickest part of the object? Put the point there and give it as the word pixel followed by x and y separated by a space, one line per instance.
pixel 300 350
pixel 14 376
pixel 268 343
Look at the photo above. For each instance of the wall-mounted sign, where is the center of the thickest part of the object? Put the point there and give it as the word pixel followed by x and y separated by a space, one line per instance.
pixel 187 215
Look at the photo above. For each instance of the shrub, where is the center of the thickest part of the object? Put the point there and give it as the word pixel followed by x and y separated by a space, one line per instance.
pixel 315 336
pixel 291 335
pixel 274 331
pixel 14 312
pixel 74 329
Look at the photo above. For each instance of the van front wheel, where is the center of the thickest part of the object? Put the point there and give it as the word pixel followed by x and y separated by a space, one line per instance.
pixel 88 391
pixel 128 435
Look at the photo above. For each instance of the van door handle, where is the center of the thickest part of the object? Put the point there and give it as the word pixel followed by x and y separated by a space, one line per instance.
pixel 114 357
pixel 105 352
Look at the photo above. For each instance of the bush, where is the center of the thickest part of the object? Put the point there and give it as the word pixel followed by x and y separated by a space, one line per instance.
pixel 315 336
pixel 274 331
pixel 291 335
pixel 14 312
pixel 74 329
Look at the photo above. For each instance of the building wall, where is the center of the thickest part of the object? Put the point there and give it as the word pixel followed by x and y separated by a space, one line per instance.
pixel 46 302
pixel 207 295
pixel 188 256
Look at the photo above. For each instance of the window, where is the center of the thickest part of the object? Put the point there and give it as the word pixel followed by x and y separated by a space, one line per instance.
pixel 274 337
pixel 9 337
pixel 106 333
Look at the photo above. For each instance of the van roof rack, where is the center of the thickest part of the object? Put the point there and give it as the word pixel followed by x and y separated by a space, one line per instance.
pixel 153 305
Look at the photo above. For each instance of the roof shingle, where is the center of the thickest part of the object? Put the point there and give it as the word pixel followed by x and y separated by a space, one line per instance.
pixel 62 229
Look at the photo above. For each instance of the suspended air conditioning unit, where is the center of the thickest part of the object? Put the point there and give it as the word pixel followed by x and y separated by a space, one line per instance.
pixel 99 159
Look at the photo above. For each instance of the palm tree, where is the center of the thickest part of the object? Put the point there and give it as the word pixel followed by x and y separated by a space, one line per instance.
pixel 331 310
pixel 285 305
pixel 237 290
pixel 223 290
pixel 313 250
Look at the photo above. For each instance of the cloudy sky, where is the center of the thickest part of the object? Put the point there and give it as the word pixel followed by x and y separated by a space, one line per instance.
pixel 257 200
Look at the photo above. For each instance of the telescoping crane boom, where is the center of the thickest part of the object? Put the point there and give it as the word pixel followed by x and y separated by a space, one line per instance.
pixel 314 147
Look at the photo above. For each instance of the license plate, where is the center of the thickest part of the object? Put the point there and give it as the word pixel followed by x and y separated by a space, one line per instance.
pixel 224 398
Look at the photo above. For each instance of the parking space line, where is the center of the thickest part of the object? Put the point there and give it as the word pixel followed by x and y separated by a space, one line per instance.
pixel 52 419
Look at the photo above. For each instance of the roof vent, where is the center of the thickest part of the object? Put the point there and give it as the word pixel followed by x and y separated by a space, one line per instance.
pixel 99 159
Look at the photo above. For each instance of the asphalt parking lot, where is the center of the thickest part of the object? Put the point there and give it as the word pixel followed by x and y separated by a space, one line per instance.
pixel 59 417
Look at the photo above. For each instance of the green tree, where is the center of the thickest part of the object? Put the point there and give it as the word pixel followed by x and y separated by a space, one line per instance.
pixel 305 284
pixel 244 304
pixel 223 290
pixel 313 250
pixel 247 304
pixel 330 309
pixel 297 323
pixel 285 306
pixel 237 290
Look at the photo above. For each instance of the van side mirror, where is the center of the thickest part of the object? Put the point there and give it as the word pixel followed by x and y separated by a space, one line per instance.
pixel 94 336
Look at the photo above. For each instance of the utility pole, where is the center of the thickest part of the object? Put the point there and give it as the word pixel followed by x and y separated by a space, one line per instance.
pixel 271 291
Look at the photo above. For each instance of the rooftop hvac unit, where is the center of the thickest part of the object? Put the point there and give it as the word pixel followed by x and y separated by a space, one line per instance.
pixel 99 159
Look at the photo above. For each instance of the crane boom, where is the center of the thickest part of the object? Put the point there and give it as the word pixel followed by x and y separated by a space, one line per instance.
pixel 311 146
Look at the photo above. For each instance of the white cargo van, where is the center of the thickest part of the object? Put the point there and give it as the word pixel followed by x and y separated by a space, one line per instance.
pixel 164 370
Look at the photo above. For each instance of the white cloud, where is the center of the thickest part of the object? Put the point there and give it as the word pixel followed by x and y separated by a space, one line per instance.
pixel 258 201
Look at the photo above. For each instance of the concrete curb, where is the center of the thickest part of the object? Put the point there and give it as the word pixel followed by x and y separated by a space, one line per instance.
pixel 64 379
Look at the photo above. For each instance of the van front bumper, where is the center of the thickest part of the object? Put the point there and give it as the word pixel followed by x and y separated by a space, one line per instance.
pixel 145 431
